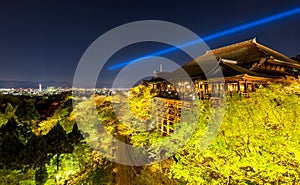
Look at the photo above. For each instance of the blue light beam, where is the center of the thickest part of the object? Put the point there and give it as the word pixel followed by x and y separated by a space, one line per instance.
pixel 213 36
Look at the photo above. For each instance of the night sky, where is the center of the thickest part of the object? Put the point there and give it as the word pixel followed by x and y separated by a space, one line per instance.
pixel 44 40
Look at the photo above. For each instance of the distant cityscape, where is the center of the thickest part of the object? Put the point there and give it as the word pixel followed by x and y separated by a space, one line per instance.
pixel 51 90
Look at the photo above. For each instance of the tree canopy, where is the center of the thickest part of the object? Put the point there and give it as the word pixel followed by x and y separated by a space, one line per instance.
pixel 257 143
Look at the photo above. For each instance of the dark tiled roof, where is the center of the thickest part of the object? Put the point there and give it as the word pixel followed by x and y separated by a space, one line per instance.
pixel 244 53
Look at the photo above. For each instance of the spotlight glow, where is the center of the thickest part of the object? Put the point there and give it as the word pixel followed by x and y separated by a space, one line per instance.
pixel 214 36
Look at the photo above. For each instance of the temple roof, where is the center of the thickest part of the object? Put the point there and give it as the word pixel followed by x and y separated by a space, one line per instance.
pixel 240 58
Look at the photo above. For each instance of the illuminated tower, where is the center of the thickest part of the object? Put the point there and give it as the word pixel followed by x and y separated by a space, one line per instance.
pixel 40 87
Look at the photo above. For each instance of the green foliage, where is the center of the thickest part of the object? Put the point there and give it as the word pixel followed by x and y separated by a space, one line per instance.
pixel 22 151
pixel 61 115
pixel 10 112
pixel 26 111
pixel 155 174
pixel 41 175
pixel 139 102
pixel 17 177
pixel 11 145
pixel 92 167
pixel 257 143
pixel 69 166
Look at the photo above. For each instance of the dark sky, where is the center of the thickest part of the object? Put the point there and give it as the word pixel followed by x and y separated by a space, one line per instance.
pixel 45 39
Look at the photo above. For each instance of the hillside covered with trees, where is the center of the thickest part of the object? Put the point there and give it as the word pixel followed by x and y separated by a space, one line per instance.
pixel 257 143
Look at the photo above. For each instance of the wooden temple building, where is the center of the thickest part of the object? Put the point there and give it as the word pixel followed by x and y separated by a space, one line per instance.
pixel 245 66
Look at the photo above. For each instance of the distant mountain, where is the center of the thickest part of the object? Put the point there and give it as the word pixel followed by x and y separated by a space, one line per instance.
pixel 31 84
